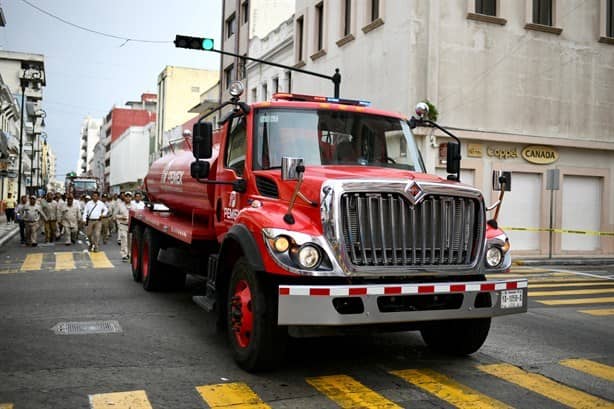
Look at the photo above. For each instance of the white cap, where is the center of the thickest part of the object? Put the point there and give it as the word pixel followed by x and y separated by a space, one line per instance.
pixel 128 193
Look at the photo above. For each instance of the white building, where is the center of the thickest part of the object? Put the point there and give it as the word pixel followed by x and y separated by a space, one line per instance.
pixel 130 158
pixel 90 135
pixel 504 79
pixel 96 164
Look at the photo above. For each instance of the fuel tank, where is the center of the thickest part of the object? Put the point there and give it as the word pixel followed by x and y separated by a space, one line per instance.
pixel 169 182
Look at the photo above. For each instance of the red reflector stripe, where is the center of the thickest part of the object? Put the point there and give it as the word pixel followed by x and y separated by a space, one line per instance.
pixel 284 291
pixel 426 289
pixel 358 291
pixel 319 291
pixel 455 288
pixel 487 287
pixel 392 290
pixel 512 285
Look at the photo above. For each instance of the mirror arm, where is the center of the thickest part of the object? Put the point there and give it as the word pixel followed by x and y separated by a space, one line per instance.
pixel 492 206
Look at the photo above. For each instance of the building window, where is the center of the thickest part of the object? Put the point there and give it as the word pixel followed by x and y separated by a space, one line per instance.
pixel 229 75
pixel 609 31
pixel 299 38
pixel 347 17
pixel 254 95
pixel 542 12
pixel 275 85
pixel 319 26
pixel 265 92
pixel 289 77
pixel 486 7
pixel 230 25
pixel 245 11
pixel 374 10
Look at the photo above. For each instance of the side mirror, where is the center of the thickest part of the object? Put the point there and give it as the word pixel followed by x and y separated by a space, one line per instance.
pixel 202 140
pixel 291 168
pixel 453 158
pixel 199 169
pixel 501 181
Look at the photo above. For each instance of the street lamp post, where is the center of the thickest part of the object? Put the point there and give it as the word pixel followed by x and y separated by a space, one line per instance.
pixel 24 84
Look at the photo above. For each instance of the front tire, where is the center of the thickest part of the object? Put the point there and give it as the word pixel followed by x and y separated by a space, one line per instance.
pixel 456 337
pixel 258 343
pixel 153 275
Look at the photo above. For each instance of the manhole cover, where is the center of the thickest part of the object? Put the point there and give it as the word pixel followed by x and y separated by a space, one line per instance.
pixel 87 327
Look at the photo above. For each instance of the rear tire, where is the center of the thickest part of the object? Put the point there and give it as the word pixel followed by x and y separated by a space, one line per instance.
pixel 135 253
pixel 151 268
pixel 456 337
pixel 258 343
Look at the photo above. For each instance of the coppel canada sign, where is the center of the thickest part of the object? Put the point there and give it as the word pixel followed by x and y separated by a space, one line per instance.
pixel 540 155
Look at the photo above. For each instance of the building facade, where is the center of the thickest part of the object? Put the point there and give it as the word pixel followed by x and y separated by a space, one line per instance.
pixel 90 135
pixel 526 89
pixel 130 158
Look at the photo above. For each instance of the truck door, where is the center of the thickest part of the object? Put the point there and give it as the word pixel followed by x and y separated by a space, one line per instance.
pixel 229 202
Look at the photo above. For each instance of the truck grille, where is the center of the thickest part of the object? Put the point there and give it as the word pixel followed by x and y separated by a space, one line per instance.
pixel 385 229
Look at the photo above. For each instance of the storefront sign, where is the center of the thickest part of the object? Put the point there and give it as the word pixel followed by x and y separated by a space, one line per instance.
pixel 502 153
pixel 475 150
pixel 540 155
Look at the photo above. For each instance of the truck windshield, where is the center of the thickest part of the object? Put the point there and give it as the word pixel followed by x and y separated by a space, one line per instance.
pixel 327 137
pixel 85 185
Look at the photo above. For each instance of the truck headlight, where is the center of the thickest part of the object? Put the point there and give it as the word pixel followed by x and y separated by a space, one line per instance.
pixel 494 255
pixel 309 256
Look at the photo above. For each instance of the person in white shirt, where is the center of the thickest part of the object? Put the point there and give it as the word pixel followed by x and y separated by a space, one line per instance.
pixel 94 211
pixel 122 215
pixel 137 203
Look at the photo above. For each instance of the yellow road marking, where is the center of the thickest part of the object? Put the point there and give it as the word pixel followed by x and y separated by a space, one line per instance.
pixel 8 271
pixel 120 400
pixel 234 395
pixel 571 292
pixel 32 262
pixel 578 301
pixel 547 280
pixel 64 261
pixel 530 270
pixel 599 313
pixel 349 393
pixel 591 367
pixel 6 406
pixel 448 390
pixel 590 284
pixel 546 387
pixel 100 260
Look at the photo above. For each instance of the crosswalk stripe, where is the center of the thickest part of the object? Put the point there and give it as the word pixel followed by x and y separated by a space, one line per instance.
pixel 578 301
pixel 591 367
pixel 6 406
pixel 100 260
pixel 32 262
pixel 571 292
pixel 447 389
pixel 589 284
pixel 349 393
pixel 231 395
pixel 545 387
pixel 599 312
pixel 64 261
pixel 120 400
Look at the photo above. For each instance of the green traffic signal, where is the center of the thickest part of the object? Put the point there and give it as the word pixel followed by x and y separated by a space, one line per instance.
pixel 207 44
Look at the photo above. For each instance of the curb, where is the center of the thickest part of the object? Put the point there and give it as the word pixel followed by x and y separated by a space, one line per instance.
pixel 9 236
pixel 564 262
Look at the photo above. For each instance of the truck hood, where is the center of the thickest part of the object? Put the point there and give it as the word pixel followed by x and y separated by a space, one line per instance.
pixel 314 177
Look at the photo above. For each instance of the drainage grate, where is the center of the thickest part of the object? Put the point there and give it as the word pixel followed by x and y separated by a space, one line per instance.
pixel 87 327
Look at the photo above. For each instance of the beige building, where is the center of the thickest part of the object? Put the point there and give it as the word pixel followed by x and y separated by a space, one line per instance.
pixel 527 85
pixel 179 89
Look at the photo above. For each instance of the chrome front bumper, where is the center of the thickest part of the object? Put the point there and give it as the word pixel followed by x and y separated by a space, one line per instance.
pixel 315 305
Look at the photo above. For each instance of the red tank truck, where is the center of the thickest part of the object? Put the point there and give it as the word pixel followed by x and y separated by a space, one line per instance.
pixel 312 215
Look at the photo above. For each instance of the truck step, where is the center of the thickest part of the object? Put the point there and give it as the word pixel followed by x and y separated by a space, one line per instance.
pixel 205 302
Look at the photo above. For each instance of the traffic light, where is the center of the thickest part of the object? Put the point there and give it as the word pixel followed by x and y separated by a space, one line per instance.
pixel 194 43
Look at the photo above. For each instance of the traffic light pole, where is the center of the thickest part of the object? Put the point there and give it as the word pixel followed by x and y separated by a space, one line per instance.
pixel 23 100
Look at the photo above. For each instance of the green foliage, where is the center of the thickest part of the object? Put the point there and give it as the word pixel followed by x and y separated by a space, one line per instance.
pixel 433 112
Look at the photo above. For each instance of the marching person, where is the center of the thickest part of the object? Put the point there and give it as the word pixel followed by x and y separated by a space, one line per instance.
pixel 121 216
pixel 94 211
pixel 9 208
pixel 137 203
pixel 70 217
pixel 50 207
pixel 59 227
pixel 32 213
pixel 22 224
pixel 105 219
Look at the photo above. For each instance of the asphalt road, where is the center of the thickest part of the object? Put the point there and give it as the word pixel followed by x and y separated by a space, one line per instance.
pixel 169 355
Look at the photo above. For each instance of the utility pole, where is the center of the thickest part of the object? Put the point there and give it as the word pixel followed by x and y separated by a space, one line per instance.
pixel 23 83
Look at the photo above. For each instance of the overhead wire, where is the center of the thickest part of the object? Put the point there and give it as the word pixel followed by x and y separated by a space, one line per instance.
pixel 89 30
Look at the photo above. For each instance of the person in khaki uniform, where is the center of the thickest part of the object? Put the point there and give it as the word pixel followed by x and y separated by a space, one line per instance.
pixel 121 216
pixel 92 215
pixel 32 213
pixel 70 217
pixel 50 208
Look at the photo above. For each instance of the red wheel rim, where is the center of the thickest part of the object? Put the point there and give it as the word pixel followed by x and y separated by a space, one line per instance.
pixel 241 313
pixel 145 260
pixel 134 255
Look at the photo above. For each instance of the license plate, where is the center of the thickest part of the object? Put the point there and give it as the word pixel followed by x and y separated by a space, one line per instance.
pixel 511 299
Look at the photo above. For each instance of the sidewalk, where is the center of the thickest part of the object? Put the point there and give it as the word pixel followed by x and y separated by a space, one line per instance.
pixel 7 231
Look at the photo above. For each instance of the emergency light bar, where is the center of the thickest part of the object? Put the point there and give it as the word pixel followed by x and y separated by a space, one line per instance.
pixel 282 96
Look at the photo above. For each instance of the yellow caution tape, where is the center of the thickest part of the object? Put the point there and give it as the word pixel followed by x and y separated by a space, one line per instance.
pixel 569 231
